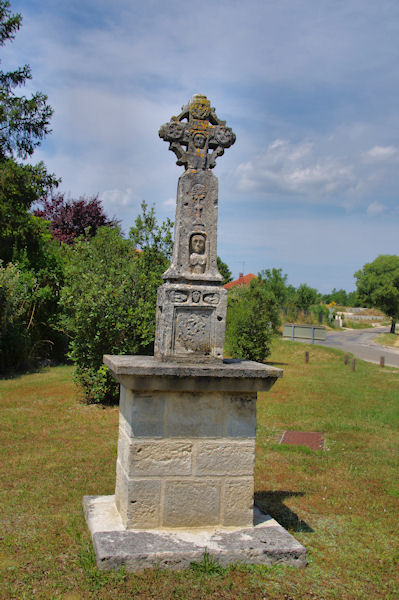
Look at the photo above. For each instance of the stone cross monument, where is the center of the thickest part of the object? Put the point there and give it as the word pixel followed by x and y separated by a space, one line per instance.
pixel 191 306
pixel 187 417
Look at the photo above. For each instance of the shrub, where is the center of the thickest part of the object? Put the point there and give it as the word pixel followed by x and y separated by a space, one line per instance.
pixel 252 317
pixel 16 306
pixel 109 299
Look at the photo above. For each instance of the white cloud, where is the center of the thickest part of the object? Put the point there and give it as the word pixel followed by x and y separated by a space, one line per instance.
pixel 170 202
pixel 296 169
pixel 381 153
pixel 375 208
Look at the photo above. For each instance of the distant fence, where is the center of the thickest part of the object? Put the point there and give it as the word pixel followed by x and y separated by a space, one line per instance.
pixel 292 331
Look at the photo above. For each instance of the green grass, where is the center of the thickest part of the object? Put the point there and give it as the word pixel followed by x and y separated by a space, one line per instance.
pixel 357 324
pixel 388 339
pixel 342 502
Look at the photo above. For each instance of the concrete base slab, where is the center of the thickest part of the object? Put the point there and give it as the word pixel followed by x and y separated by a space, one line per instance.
pixel 264 543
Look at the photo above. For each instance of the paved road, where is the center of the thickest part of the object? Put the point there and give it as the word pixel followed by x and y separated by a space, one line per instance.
pixel 360 343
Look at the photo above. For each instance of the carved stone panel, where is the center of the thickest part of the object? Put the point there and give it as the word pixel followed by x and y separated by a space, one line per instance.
pixel 190 322
pixel 192 330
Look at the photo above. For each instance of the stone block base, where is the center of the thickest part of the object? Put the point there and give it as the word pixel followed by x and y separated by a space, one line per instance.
pixel 264 543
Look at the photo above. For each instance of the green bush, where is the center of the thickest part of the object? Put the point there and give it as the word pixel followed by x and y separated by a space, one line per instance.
pixel 16 307
pixel 109 299
pixel 252 318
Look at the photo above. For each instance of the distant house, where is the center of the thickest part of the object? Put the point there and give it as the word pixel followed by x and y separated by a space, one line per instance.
pixel 242 280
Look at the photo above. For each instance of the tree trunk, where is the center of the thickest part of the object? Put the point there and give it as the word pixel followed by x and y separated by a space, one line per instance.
pixel 393 325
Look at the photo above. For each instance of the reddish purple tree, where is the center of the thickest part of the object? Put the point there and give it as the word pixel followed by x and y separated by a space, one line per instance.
pixel 70 219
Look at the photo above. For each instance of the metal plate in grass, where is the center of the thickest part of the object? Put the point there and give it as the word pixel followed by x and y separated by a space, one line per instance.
pixel 312 440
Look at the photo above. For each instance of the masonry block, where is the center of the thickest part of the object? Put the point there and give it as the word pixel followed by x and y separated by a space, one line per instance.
pixel 191 503
pixel 192 415
pixel 225 457
pixel 141 414
pixel 240 410
pixel 238 502
pixel 138 501
pixel 154 458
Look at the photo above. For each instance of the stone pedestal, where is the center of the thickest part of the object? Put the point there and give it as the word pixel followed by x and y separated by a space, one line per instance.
pixel 185 458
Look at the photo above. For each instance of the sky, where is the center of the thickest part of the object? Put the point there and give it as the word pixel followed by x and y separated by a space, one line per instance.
pixel 310 88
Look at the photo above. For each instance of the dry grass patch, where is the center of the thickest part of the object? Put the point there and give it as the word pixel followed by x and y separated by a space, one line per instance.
pixel 341 503
pixel 388 339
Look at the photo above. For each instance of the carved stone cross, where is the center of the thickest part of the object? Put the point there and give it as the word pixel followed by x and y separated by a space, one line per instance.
pixel 193 139
pixel 191 305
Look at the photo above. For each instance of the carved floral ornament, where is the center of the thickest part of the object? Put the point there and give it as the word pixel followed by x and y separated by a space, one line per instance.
pixel 196 296
pixel 194 132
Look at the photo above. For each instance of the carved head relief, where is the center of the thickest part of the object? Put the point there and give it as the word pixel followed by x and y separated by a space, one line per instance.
pixel 196 296
pixel 198 256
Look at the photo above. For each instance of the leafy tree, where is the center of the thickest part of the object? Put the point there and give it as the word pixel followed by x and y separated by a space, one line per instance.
pixel 20 187
pixel 16 291
pixel 224 271
pixel 23 124
pixel 23 121
pixel 378 285
pixel 252 317
pixel 277 283
pixel 305 296
pixel 109 298
pixel 70 219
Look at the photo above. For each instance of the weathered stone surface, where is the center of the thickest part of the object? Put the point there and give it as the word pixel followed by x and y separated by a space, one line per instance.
pixel 141 415
pixel 191 503
pixel 154 458
pixel 225 457
pixel 147 373
pixel 203 131
pixel 191 305
pixel 238 502
pixel 240 415
pixel 192 415
pixel 265 543
pixel 191 321
pixel 138 501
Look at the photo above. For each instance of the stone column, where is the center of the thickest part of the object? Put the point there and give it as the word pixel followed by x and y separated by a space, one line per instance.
pixel 186 449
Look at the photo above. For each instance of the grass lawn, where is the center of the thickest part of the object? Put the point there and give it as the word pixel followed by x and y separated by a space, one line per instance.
pixel 388 339
pixel 342 502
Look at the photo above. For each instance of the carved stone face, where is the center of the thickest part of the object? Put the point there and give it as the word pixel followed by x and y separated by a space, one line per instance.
pixel 196 296
pixel 224 135
pixel 199 140
pixel 198 244
pixel 174 130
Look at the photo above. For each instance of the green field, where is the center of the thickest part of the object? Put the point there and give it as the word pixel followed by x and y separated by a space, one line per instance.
pixel 342 502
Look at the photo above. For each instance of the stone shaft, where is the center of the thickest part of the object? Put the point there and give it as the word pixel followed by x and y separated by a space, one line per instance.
pixel 191 305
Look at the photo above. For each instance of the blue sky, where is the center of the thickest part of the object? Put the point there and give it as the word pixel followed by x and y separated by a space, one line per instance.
pixel 310 87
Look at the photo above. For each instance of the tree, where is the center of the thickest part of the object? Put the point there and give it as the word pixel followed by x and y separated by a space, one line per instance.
pixel 378 285
pixel 20 187
pixel 224 271
pixel 277 283
pixel 252 318
pixel 305 296
pixel 23 124
pixel 23 121
pixel 70 219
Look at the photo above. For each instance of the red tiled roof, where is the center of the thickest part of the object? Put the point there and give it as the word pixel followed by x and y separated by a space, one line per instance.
pixel 244 280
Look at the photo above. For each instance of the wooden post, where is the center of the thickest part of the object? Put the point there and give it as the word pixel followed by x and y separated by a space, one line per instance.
pixel 306 357
pixel 352 364
pixel 346 359
pixel 382 361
